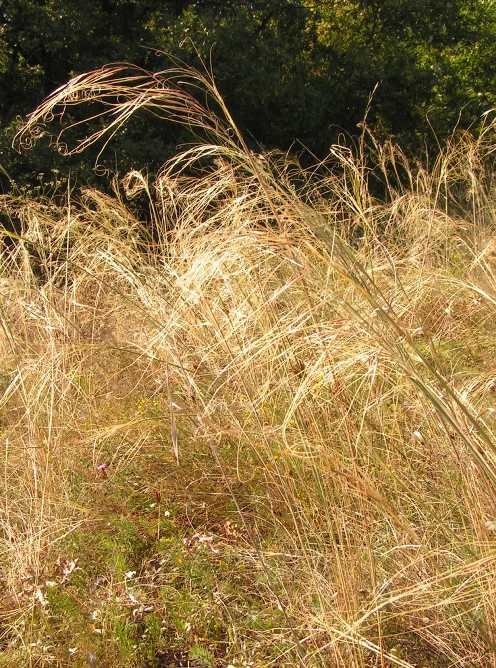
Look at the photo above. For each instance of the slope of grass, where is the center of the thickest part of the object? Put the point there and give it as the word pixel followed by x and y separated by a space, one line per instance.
pixel 262 435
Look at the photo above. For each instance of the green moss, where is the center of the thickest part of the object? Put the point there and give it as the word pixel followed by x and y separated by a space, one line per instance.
pixel 124 548
pixel 123 633
pixel 63 606
pixel 201 657
pixel 152 636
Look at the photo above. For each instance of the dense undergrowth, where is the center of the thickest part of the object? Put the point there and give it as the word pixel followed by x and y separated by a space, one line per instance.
pixel 259 432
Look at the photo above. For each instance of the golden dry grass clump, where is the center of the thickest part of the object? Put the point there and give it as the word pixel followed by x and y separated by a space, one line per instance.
pixel 285 354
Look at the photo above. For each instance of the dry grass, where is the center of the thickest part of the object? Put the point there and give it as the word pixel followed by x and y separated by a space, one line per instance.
pixel 304 373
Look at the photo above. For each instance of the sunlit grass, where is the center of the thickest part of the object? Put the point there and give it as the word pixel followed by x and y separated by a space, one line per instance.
pixel 265 431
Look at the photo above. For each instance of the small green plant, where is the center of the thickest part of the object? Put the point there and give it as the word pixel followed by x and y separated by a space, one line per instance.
pixel 201 657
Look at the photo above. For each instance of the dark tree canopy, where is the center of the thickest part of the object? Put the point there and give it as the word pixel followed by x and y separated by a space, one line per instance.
pixel 293 72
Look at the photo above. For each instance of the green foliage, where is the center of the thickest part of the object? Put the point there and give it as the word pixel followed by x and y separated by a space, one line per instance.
pixel 290 70
pixel 123 548
pixel 201 657
pixel 42 45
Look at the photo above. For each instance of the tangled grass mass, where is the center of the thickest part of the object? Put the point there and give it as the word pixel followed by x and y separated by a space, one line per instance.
pixel 259 429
